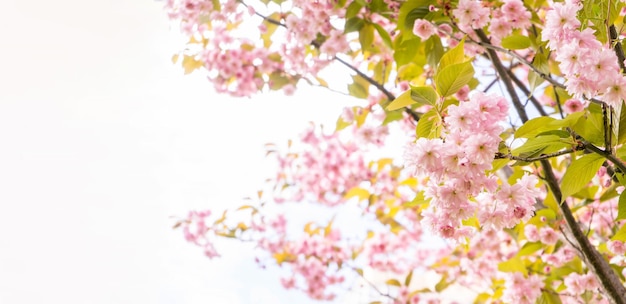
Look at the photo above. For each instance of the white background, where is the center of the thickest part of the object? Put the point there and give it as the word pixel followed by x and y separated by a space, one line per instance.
pixel 102 140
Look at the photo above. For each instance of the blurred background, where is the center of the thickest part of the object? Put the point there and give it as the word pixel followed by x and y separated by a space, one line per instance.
pixel 103 140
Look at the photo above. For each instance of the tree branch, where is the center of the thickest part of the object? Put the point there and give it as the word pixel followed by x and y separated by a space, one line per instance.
pixel 519 107
pixel 619 51
pixel 610 282
pixel 533 159
pixel 610 157
pixel 526 91
pixel 373 82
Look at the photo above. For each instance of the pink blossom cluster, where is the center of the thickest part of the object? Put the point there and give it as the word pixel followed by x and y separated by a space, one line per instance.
pixel 456 164
pixel 559 258
pixel 195 229
pixel 520 289
pixel 393 252
pixel 477 268
pixel 237 70
pixel 311 259
pixel 325 169
pixel 591 69
pixel 577 284
pixel 599 217
pixel 511 15
pixel 194 14
pixel 239 66
pixel 472 14
pixel 546 235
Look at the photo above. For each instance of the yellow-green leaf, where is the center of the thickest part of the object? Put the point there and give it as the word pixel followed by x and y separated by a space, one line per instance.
pixel 428 124
pixel 579 173
pixel 621 207
pixel 533 127
pixel 620 235
pixel 516 42
pixel 453 77
pixel 361 193
pixel 190 64
pixel 455 55
pixel 515 264
pixel 401 101
pixel 424 95
pixel 366 36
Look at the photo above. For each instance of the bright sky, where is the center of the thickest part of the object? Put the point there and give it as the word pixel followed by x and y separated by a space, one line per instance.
pixel 103 139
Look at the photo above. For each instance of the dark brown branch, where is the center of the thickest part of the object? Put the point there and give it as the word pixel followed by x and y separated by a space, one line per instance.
pixel 373 82
pixel 607 118
pixel 558 102
pixel 502 72
pixel 610 157
pixel 610 282
pixel 617 47
pixel 491 84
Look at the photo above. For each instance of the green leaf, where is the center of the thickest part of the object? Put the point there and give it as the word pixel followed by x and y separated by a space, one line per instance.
pixel 359 88
pixel 366 36
pixel 410 71
pixel 392 116
pixel 353 24
pixel 541 63
pixel 427 126
pixel 621 137
pixel 434 51
pixel 620 235
pixel 376 6
pixel 568 122
pixel 621 207
pixel 270 29
pixel 278 80
pixel 407 281
pixel 353 9
pixel 533 127
pixel 453 77
pixel 424 95
pixel 579 173
pixel 361 193
pixel 515 264
pixel 538 144
pixel 516 42
pixel 529 248
pixel 405 50
pixel 409 11
pixel 453 56
pixel 443 283
pixel 383 35
pixel 393 282
pixel 418 200
pixel 549 298
pixel 401 101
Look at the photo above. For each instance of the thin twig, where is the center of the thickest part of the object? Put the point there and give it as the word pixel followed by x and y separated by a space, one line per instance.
pixel 526 91
pixel 533 159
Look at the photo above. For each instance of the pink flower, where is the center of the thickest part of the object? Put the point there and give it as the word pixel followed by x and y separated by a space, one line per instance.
pixel 573 106
pixel 548 236
pixel 423 29
pixel 471 14
pixel 617 247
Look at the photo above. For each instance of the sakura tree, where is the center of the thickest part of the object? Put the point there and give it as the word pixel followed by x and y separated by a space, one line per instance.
pixel 514 143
